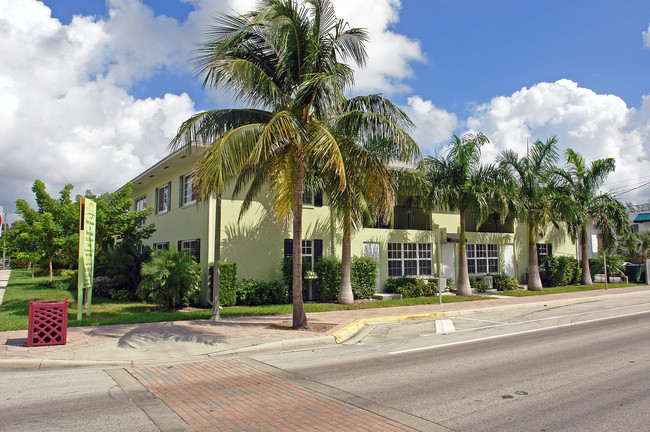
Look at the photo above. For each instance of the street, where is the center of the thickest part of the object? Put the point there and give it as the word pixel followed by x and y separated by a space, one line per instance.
pixel 583 366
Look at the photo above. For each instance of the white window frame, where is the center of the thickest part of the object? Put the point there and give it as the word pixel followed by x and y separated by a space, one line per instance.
pixel 307 249
pixel 189 194
pixel 482 258
pixel 191 245
pixel 164 199
pixel 409 259
pixel 141 205
pixel 161 246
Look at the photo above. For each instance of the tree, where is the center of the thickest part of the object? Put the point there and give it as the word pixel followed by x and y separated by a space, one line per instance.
pixel 458 182
pixel 533 174
pixel 285 59
pixel 584 206
pixel 170 278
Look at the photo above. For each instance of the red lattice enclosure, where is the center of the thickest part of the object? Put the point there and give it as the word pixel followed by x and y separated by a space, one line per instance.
pixel 48 323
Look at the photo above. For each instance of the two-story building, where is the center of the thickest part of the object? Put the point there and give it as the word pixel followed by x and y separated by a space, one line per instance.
pixel 256 242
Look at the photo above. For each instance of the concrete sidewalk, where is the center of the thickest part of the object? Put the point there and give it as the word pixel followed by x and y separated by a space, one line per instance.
pixel 151 343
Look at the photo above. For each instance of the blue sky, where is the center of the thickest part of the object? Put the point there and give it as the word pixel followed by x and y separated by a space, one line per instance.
pixel 93 100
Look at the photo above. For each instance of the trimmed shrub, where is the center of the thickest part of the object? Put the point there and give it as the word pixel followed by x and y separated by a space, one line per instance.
pixel 561 271
pixel 477 283
pixel 286 268
pixel 363 277
pixel 417 288
pixel 254 292
pixel 328 269
pixel 504 283
pixel 227 283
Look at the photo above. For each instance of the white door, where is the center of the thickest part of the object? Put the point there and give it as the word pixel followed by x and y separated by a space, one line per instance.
pixel 449 261
pixel 509 260
pixel 372 250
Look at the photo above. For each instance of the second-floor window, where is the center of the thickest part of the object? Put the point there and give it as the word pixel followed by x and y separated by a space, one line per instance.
pixel 163 195
pixel 141 205
pixel 187 191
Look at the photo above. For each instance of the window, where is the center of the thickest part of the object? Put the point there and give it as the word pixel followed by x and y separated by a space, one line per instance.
pixel 163 195
pixel 409 259
pixel 635 228
pixel 187 194
pixel 194 246
pixel 312 249
pixel 482 258
pixel 543 250
pixel 141 205
pixel 312 197
pixel 161 246
pixel 308 252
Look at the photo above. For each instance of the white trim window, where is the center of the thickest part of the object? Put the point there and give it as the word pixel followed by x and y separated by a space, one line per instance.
pixel 188 192
pixel 409 259
pixel 308 252
pixel 194 246
pixel 163 197
pixel 482 258
pixel 141 205
pixel 161 246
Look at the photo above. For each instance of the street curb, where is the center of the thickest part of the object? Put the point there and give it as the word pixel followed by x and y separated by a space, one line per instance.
pixel 354 327
pixel 49 364
pixel 281 345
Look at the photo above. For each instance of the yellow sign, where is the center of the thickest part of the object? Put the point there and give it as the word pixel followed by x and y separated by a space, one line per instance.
pixel 87 225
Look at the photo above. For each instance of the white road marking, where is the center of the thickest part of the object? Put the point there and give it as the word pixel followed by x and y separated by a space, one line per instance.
pixel 445 326
pixel 503 324
pixel 512 334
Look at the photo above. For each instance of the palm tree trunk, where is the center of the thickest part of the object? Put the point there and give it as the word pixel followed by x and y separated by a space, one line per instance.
pixel 463 288
pixel 534 281
pixel 345 290
pixel 585 279
pixel 216 274
pixel 299 317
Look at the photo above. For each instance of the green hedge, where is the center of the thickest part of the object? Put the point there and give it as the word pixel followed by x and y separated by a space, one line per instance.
pixel 561 271
pixel 227 283
pixel 363 277
pixel 502 282
pixel 417 288
pixel 254 292
pixel 286 268
pixel 328 269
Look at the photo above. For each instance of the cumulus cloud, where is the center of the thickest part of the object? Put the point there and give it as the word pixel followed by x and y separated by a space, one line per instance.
pixel 646 37
pixel 433 125
pixel 390 54
pixel 595 125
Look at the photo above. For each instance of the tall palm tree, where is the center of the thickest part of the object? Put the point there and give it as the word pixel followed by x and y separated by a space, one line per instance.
pixel 367 120
pixel 286 60
pixel 458 182
pixel 533 174
pixel 579 184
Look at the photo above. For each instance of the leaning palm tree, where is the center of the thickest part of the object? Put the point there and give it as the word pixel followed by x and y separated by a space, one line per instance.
pixel 579 184
pixel 533 174
pixel 458 182
pixel 286 60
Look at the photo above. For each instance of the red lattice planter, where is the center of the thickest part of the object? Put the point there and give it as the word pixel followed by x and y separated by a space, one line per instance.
pixel 48 323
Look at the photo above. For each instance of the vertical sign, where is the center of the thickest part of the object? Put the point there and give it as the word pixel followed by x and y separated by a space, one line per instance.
pixel 87 215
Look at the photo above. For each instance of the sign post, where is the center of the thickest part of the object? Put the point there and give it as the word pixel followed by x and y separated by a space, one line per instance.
pixel 87 215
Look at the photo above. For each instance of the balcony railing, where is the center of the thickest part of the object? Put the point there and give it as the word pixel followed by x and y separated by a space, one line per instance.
pixel 406 218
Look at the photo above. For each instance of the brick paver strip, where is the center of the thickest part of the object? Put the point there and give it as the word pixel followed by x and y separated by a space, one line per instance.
pixel 228 395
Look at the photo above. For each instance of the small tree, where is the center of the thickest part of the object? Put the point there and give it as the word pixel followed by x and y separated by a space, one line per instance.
pixel 171 278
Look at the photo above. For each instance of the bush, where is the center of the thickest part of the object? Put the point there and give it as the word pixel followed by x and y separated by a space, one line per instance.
pixel 478 284
pixel 54 284
pixel 328 269
pixel 287 276
pixel 254 292
pixel 106 287
pixel 227 283
pixel 363 277
pixel 561 271
pixel 417 288
pixel 502 282
pixel 393 284
pixel 171 279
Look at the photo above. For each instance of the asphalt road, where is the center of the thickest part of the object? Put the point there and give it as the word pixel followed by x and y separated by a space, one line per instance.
pixel 581 367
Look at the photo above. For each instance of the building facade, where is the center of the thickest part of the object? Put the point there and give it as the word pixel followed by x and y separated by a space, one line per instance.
pixel 416 243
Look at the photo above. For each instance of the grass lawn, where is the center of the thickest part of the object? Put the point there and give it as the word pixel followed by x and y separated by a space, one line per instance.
pixel 561 289
pixel 14 311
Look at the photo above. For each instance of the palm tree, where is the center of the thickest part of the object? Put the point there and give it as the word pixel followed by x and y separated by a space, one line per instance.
pixel 579 184
pixel 170 278
pixel 458 182
pixel 284 59
pixel 533 174
pixel 369 189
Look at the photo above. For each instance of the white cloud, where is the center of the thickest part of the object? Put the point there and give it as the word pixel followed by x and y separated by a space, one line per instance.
pixel 390 54
pixel 595 125
pixel 646 37
pixel 433 125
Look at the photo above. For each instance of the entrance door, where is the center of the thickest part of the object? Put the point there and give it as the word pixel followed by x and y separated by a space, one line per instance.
pixel 372 250
pixel 449 260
